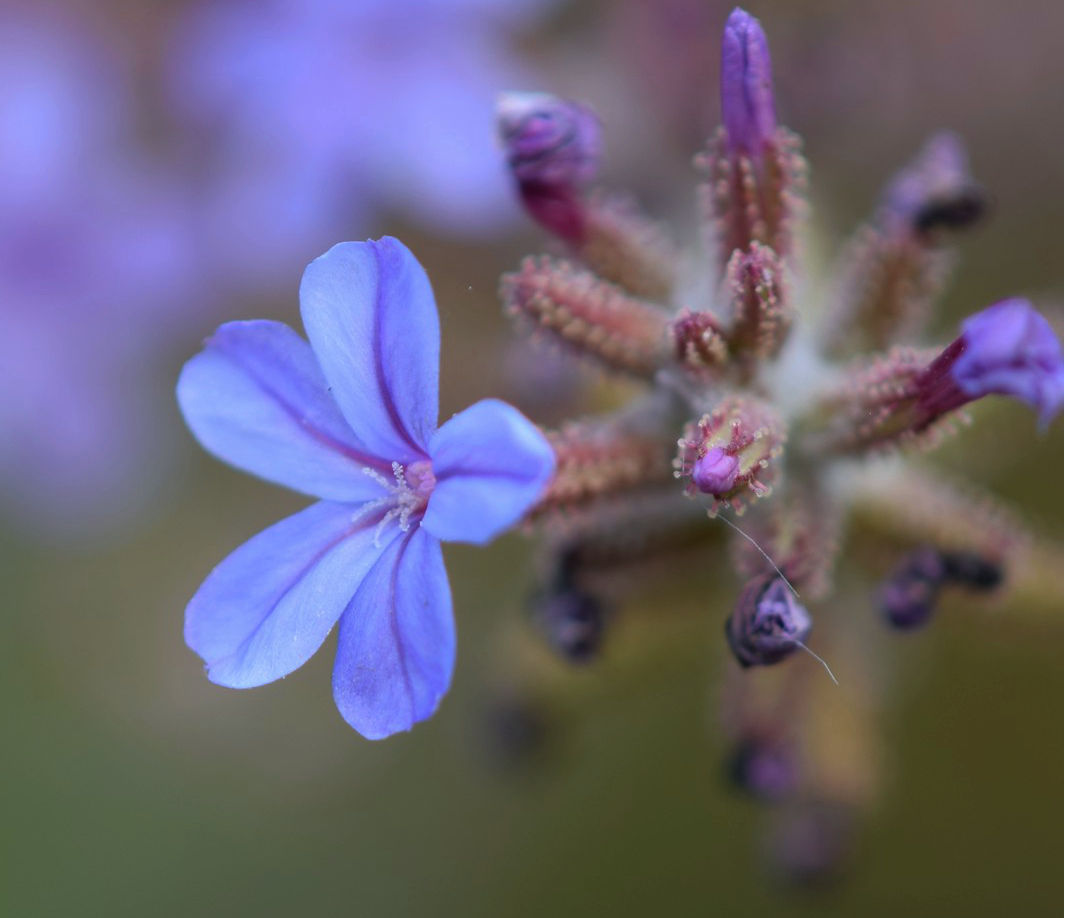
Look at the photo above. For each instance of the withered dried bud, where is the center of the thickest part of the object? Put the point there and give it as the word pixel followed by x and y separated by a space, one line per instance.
pixel 907 598
pixel 766 769
pixel 768 622
pixel 573 622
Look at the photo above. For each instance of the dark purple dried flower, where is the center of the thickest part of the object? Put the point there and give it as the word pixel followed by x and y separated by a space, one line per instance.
pixel 809 845
pixel 971 570
pixel 573 621
pixel 747 107
pixel 936 191
pixel 768 623
pixel 908 597
pixel 766 770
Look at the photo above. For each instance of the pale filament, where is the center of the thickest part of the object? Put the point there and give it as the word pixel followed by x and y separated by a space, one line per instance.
pixel 401 499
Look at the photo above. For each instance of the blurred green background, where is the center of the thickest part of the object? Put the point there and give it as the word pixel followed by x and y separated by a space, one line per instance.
pixel 132 786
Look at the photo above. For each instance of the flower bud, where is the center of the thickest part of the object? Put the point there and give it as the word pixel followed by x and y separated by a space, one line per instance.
pixel 1007 349
pixel 908 597
pixel 760 308
pixel 728 453
pixel 573 622
pixel 715 471
pixel 935 191
pixel 768 623
pixel 810 844
pixel 586 315
pixel 747 108
pixel 765 769
pixel 548 140
pixel 971 570
pixel 552 147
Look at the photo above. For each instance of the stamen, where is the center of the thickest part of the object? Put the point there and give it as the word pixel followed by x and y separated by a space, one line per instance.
pixel 402 500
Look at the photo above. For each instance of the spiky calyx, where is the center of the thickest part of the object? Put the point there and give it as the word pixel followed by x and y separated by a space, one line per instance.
pixel 761 308
pixel 596 460
pixel 729 453
pixel 588 316
pixel 747 200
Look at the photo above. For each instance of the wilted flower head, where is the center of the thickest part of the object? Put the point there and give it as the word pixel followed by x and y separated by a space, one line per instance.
pixel 768 623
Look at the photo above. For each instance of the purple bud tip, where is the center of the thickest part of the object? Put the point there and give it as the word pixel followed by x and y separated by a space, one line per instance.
pixel 747 107
pixel 1010 349
pixel 715 472
pixel 908 597
pixel 972 571
pixel 768 622
pixel 810 844
pixel 936 191
pixel 766 770
pixel 573 623
pixel 548 140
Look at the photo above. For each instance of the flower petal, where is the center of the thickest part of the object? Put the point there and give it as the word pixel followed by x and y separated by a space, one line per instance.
pixel 266 609
pixel 371 318
pixel 397 640
pixel 491 465
pixel 256 398
pixel 1010 349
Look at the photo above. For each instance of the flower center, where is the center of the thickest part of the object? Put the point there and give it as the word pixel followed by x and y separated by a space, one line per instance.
pixel 407 494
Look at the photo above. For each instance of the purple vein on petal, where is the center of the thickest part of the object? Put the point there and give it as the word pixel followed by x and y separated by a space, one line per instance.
pixel 379 370
pixel 359 523
pixel 300 417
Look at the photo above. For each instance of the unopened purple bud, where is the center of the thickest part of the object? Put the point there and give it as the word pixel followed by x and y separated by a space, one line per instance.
pixel 766 770
pixel 971 570
pixel 936 191
pixel 908 597
pixel 1010 349
pixel 573 622
pixel 715 472
pixel 747 107
pixel 768 623
pixel 548 140
pixel 810 844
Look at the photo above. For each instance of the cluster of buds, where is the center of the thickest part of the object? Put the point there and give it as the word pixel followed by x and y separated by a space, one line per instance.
pixel 781 428
pixel 908 597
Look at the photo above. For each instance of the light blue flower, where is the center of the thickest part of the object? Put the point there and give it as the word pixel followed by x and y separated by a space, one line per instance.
pixel 352 419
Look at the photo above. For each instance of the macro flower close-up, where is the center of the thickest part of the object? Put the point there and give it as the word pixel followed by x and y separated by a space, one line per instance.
pixel 531 457
pixel 351 419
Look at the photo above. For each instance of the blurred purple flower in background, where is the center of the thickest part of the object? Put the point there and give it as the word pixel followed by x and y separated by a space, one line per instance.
pixel 96 266
pixel 352 419
pixel 311 117
pixel 290 125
